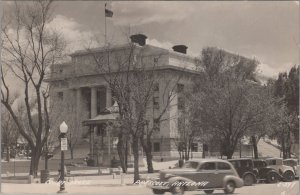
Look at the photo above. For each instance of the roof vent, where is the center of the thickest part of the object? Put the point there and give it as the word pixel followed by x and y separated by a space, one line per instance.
pixel 180 48
pixel 139 39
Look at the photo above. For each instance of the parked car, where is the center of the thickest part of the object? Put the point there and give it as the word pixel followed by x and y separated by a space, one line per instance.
pixel 245 169
pixel 286 172
pixel 265 173
pixel 294 164
pixel 207 174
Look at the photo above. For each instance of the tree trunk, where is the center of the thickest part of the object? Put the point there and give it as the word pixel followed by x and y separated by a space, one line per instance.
pixel 122 156
pixel 147 147
pixel 135 149
pixel 283 147
pixel 72 152
pixel 254 145
pixel 34 163
pixel 229 151
pixel 7 153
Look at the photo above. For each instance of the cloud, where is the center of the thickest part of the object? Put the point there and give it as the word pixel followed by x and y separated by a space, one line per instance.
pixel 272 72
pixel 76 39
pixel 138 13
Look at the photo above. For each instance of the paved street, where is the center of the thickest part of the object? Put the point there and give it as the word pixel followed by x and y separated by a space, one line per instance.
pixel 287 188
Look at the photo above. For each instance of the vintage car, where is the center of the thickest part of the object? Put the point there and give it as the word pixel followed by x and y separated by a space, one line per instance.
pixel 195 175
pixel 294 164
pixel 245 169
pixel 286 172
pixel 265 173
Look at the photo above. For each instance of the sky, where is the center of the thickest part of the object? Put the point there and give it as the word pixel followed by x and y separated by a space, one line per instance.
pixel 268 31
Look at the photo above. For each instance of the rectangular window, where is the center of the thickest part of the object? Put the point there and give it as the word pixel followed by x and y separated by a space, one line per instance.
pixel 156 146
pixel 194 147
pixel 180 88
pixel 156 102
pixel 101 130
pixel 156 87
pixel 60 95
pixel 181 103
pixel 180 123
pixel 156 124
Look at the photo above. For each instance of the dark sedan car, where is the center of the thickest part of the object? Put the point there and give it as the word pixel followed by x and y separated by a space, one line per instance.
pixel 205 174
pixel 245 169
pixel 266 173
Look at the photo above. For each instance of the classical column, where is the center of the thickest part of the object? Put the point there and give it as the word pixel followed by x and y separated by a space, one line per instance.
pixel 93 114
pixel 93 102
pixel 108 97
pixel 78 104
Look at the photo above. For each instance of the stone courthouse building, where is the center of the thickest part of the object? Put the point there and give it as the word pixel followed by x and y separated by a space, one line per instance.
pixel 81 81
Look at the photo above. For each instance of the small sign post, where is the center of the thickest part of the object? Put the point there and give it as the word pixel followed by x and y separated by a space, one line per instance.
pixel 64 144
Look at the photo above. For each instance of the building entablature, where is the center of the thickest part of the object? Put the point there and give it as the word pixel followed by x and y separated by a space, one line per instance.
pixel 86 63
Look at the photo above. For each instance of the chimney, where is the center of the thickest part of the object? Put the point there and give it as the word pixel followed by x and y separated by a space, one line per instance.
pixel 139 39
pixel 180 48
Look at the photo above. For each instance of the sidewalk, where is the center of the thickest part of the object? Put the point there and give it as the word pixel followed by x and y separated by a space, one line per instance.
pixel 94 172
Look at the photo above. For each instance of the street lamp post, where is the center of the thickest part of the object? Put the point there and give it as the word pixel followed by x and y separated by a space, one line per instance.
pixel 63 130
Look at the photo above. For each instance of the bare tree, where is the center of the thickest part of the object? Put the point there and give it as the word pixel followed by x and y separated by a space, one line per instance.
pixel 73 121
pixel 132 77
pixel 228 103
pixel 30 47
pixel 9 133
pixel 168 91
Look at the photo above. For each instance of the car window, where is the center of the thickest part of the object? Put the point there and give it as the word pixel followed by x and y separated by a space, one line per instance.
pixel 259 163
pixel 223 166
pixel 290 163
pixel 191 164
pixel 208 166
pixel 271 162
pixel 236 164
pixel 246 163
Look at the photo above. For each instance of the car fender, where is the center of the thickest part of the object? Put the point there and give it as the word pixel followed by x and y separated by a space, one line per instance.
pixel 237 180
pixel 276 172
pixel 172 181
pixel 288 170
pixel 246 173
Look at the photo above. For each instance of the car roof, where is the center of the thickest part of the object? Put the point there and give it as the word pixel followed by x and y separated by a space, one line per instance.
pixel 259 159
pixel 290 159
pixel 208 160
pixel 274 159
pixel 237 159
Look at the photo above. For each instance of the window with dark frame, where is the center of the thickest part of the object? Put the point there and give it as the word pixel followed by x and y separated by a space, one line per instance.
pixel 181 103
pixel 101 130
pixel 156 124
pixel 156 146
pixel 156 102
pixel 156 87
pixel 194 147
pixel 180 88
pixel 60 95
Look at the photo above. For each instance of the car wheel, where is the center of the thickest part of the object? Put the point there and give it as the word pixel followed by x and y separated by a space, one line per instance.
pixel 248 180
pixel 272 177
pixel 157 191
pixel 229 187
pixel 177 190
pixel 288 176
pixel 208 191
